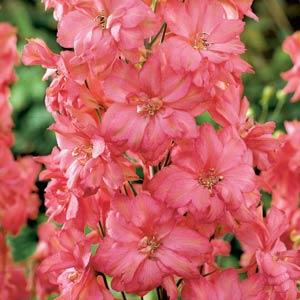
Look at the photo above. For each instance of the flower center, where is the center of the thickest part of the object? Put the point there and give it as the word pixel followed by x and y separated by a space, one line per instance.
pixel 209 179
pixel 83 153
pixel 146 106
pixel 201 41
pixel 73 276
pixel 150 108
pixel 101 19
pixel 148 245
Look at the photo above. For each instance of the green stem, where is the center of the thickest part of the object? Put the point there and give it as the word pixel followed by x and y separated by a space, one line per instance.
pixel 267 93
pixel 154 39
pixel 101 229
pixel 179 282
pixel 154 5
pixel 158 293
pixel 277 12
pixel 163 33
pixel 264 114
pixel 281 96
pixel 125 190
pixel 104 279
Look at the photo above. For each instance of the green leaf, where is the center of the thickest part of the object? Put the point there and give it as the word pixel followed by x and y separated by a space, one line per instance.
pixel 266 199
pixel 243 275
pixel 228 237
pixel 87 229
pixel 139 172
pixel 206 118
pixel 226 262
pixel 94 248
pixel 24 244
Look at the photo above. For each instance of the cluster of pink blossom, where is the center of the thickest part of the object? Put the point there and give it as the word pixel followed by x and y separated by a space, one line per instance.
pixel 18 200
pixel 142 196
pixel 292 47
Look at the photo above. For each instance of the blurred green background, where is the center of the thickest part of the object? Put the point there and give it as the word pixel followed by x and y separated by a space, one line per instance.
pixel 263 39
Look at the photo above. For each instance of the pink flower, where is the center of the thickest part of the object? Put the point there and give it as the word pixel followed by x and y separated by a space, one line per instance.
pixel 64 205
pixel 228 109
pixel 283 178
pixel 292 47
pixel 139 192
pixel 8 53
pixel 280 273
pixel 13 283
pixel 236 9
pixel 261 241
pixel 207 174
pixel 6 123
pixel 61 7
pixel 200 30
pixel 17 199
pixel 144 246
pixel 72 86
pixel 150 107
pixel 225 286
pixel 105 29
pixel 213 77
pixel 36 52
pixel 254 288
pixel 46 247
pixel 69 268
pixel 87 160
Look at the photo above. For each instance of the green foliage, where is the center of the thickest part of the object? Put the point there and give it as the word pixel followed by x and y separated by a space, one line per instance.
pixel 24 244
pixel 227 261
pixel 27 96
pixel 52 297
pixel 263 41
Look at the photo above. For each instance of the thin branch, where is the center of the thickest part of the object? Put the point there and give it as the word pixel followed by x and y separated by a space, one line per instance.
pixel 164 32
pixel 179 282
pixel 101 229
pixel 151 171
pixel 104 279
pixel 158 293
pixel 124 186
pixel 154 5
pixel 154 39
pixel 123 296
pixel 132 188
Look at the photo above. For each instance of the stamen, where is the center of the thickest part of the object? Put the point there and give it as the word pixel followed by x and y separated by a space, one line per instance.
pixel 145 106
pixel 73 276
pixel 209 179
pixel 201 41
pixel 83 153
pixel 149 107
pixel 148 245
pixel 101 19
